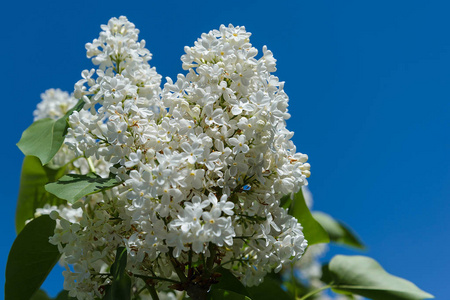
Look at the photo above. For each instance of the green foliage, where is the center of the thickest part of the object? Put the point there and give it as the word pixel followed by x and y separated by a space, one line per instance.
pixel 312 230
pixel 337 231
pixel 285 201
pixel 120 288
pixel 228 283
pixel 31 259
pixel 216 294
pixel 120 263
pixel 44 137
pixel 73 187
pixel 231 288
pixel 64 295
pixel 268 290
pixel 42 295
pixel 363 276
pixel 32 193
pixel 293 285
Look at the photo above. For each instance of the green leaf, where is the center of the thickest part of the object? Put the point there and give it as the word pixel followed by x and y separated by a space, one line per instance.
pixel 64 295
pixel 120 263
pixel 326 274
pixel 120 289
pixel 44 137
pixel 218 294
pixel 73 187
pixel 32 193
pixel 228 282
pixel 337 231
pixel 363 276
pixel 30 260
pixel 40 295
pixel 285 201
pixel 268 290
pixel 312 230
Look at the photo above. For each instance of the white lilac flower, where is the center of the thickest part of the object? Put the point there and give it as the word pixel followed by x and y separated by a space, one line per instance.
pixel 202 163
pixel 239 144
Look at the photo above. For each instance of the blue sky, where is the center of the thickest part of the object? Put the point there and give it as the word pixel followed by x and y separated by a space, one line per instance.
pixel 369 88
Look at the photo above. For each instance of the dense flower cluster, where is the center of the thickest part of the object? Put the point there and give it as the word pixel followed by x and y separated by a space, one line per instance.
pixel 202 163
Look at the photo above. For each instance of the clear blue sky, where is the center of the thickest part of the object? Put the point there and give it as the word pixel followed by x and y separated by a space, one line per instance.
pixel 369 87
